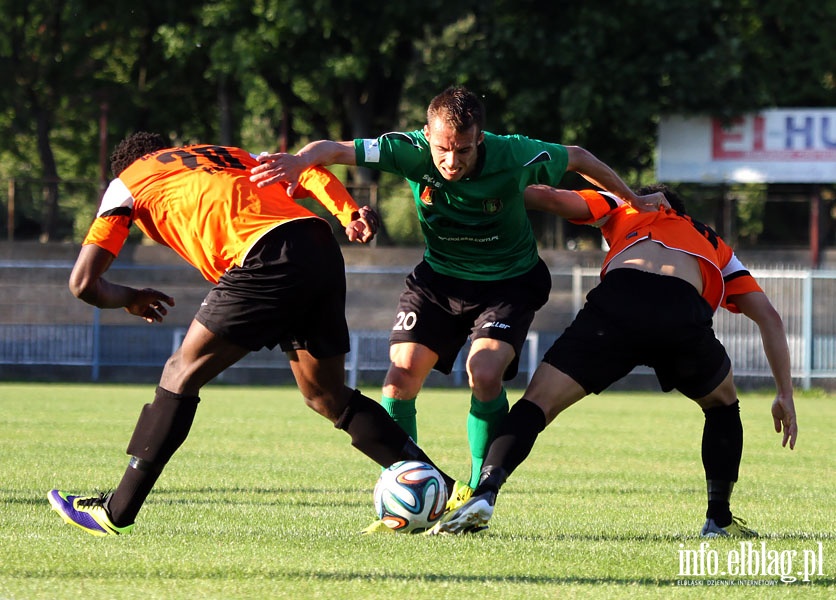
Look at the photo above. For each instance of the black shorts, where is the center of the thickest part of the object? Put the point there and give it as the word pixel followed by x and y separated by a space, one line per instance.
pixel 635 318
pixel 440 312
pixel 289 291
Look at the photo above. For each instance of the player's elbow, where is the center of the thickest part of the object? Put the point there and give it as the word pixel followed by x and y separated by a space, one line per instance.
pixel 82 286
pixel 768 319
pixel 773 319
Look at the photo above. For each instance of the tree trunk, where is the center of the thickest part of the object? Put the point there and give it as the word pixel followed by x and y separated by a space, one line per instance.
pixel 50 175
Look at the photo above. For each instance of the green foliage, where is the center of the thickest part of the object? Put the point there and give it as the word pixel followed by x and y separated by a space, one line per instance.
pixel 397 207
pixel 751 206
pixel 274 74
pixel 265 499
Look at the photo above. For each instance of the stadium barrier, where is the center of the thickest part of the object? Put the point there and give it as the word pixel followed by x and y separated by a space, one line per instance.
pixel 95 350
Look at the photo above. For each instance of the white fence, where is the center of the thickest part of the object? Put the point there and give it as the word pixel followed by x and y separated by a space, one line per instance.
pixel 806 300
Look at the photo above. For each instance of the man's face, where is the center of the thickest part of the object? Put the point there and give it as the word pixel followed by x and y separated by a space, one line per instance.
pixel 454 154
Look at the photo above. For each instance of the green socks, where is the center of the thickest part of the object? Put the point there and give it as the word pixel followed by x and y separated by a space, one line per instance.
pixel 482 423
pixel 403 412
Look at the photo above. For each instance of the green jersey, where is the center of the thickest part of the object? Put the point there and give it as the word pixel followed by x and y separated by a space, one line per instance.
pixel 476 228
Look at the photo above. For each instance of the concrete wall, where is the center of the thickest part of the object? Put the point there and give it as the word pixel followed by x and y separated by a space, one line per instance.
pixel 33 281
pixel 33 290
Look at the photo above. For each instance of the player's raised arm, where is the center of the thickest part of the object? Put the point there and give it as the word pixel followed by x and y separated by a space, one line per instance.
pixel 281 166
pixel 361 223
pixel 588 166
pixel 567 204
pixel 87 284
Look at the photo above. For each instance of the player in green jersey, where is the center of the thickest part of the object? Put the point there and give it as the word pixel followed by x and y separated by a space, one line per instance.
pixel 481 276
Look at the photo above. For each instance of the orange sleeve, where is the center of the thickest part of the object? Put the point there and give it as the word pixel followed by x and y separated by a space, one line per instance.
pixel 109 233
pixel 741 283
pixel 736 277
pixel 599 205
pixel 326 189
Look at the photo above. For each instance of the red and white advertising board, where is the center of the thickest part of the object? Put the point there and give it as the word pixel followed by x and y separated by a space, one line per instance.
pixel 792 145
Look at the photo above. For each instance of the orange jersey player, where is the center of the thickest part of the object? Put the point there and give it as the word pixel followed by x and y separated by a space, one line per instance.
pixel 662 280
pixel 721 274
pixel 279 280
pixel 198 201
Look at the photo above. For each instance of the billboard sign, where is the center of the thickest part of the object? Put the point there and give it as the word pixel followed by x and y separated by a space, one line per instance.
pixel 793 145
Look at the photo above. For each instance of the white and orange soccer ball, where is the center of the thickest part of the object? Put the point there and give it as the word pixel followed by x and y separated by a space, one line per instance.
pixel 410 496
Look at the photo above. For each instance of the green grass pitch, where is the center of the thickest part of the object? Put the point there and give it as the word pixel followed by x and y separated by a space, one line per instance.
pixel 265 499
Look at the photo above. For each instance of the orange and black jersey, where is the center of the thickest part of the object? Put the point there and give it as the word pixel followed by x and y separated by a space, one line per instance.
pixel 722 272
pixel 199 201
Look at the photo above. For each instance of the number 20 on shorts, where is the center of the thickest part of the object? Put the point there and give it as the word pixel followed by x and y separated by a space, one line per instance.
pixel 405 321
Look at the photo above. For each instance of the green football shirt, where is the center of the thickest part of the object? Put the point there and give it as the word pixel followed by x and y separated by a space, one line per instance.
pixel 476 228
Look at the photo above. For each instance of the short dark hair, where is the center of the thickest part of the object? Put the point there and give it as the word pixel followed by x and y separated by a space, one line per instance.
pixel 135 147
pixel 459 107
pixel 674 199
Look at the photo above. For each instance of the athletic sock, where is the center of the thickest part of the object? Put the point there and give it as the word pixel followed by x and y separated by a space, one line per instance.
pixel 482 423
pixel 404 414
pixel 513 442
pixel 722 449
pixel 126 500
pixel 375 434
pixel 161 429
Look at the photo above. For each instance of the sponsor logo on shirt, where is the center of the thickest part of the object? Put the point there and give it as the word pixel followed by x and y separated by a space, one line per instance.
pixel 467 238
pixel 432 181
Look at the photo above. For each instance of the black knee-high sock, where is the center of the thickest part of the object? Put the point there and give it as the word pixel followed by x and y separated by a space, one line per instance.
pixel 374 433
pixel 161 429
pixel 722 449
pixel 513 442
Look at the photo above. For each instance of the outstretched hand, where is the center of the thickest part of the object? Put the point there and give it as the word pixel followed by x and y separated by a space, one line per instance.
pixel 651 202
pixel 783 416
pixel 278 167
pixel 363 226
pixel 148 304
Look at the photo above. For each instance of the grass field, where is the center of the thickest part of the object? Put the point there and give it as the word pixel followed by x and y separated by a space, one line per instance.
pixel 265 500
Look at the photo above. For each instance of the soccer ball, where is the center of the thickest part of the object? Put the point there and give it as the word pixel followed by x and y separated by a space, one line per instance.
pixel 410 496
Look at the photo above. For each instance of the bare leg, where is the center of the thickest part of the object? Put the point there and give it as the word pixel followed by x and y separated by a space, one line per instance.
pixel 410 365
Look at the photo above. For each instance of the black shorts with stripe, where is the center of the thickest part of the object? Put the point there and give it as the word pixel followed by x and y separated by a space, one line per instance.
pixel 441 312
pixel 290 291
pixel 635 318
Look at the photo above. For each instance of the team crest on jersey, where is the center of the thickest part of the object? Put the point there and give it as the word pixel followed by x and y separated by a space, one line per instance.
pixel 491 206
pixel 427 196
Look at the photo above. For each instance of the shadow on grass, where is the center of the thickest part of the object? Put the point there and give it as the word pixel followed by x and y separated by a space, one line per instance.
pixel 302 497
pixel 325 497
pixel 652 537
pixel 448 579
pixel 313 497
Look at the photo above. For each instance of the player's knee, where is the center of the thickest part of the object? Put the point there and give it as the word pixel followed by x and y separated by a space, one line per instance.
pixel 485 379
pixel 721 396
pixel 328 404
pixel 174 373
pixel 402 383
pixel 485 366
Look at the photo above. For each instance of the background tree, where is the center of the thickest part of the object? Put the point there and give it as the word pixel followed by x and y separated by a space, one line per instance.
pixel 276 73
pixel 73 61
pixel 45 63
